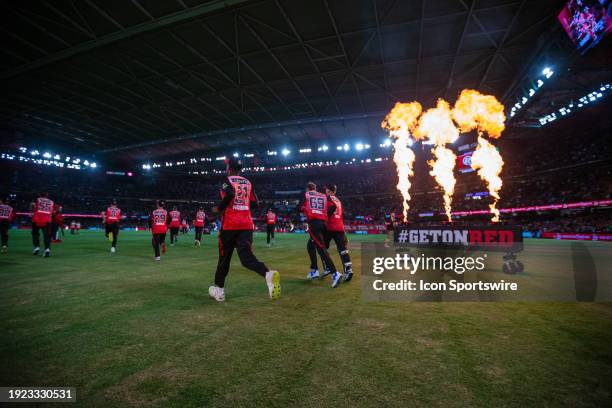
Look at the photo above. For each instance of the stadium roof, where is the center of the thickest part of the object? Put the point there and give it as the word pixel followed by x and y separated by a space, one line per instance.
pixel 134 77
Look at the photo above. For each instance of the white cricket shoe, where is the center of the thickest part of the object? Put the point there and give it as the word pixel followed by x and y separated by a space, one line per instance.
pixel 273 281
pixel 36 251
pixel 336 279
pixel 217 293
pixel 313 274
pixel 113 250
pixel 158 258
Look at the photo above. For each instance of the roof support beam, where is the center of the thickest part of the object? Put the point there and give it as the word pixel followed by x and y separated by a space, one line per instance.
pixel 138 29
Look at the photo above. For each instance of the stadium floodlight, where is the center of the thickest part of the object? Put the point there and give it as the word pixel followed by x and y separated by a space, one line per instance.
pixel 249 155
pixel 386 143
pixel 367 146
pixel 25 149
pixel 272 153
pixel 220 158
pixel 324 148
pixel 285 151
pixel 359 146
pixel 306 150
pixel 346 147
pixel 47 155
pixel 547 72
pixel 86 162
pixel 93 165
pixel 236 154
pixel 339 148
pixel 34 153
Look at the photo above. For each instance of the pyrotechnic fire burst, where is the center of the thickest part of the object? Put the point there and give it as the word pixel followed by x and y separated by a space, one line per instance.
pixel 487 160
pixel 436 126
pixel 484 113
pixel 401 122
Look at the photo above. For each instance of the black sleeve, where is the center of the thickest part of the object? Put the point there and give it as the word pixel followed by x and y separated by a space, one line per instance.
pixel 228 191
pixel 332 207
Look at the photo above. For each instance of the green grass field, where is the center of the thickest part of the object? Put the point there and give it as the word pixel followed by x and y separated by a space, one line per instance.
pixel 128 331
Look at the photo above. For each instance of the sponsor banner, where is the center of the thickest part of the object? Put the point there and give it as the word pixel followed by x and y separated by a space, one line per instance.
pixel 464 162
pixel 581 204
pixel 577 236
pixel 493 238
pixel 365 229
pixel 289 192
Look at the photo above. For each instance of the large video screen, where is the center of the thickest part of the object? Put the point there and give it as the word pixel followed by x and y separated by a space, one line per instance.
pixel 586 21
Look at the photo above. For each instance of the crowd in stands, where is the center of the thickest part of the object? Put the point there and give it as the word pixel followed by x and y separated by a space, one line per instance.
pixel 549 170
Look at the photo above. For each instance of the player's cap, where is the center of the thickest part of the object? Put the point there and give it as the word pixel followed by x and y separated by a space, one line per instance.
pixel 234 163
pixel 331 187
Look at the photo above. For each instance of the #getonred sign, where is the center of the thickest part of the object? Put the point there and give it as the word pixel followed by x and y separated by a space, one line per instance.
pixel 492 237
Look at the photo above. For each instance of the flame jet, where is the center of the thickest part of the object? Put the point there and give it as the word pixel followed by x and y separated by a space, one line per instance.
pixel 487 160
pixel 400 122
pixel 484 113
pixel 437 127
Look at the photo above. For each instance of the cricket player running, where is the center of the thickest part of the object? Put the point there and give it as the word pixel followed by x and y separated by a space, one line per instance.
pixel 175 224
pixel 111 218
pixel 159 226
pixel 198 223
pixel 318 207
pixel 6 217
pixel 335 231
pixel 270 226
pixel 236 232
pixel 42 213
pixel 57 223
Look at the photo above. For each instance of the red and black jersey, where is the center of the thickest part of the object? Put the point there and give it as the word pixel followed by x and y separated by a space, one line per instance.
pixel 159 221
pixel 175 219
pixel 6 213
pixel 58 217
pixel 113 215
pixel 236 197
pixel 335 222
pixel 43 211
pixel 199 219
pixel 316 206
pixel 270 218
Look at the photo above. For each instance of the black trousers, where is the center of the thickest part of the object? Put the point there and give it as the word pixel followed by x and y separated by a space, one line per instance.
pixel 242 242
pixel 114 228
pixel 46 231
pixel 270 231
pixel 316 244
pixel 157 241
pixel 174 235
pixel 198 233
pixel 339 237
pixel 4 228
